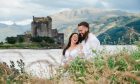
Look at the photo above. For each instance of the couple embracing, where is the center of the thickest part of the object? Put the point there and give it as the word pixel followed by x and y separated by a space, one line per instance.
pixel 80 44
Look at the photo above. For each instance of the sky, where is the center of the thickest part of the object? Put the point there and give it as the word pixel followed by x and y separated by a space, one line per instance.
pixel 21 11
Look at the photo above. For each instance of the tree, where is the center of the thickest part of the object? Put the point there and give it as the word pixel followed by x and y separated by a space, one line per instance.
pixel 48 39
pixel 36 39
pixel 11 40
pixel 20 39
pixel 1 43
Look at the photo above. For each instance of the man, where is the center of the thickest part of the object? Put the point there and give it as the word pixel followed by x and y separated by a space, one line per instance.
pixel 88 40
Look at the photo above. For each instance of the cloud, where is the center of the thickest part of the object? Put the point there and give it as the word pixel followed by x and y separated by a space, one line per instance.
pixel 65 3
pixel 18 22
pixel 24 22
pixel 8 22
pixel 19 9
pixel 131 5
pixel 117 4
pixel 22 9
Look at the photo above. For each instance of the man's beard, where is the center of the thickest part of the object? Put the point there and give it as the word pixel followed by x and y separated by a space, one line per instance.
pixel 84 37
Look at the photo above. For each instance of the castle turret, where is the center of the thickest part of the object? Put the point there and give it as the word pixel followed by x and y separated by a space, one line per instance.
pixel 41 26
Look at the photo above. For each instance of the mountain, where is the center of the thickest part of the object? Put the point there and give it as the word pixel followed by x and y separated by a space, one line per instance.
pixel 2 25
pixel 12 30
pixel 127 34
pixel 73 17
pixel 100 20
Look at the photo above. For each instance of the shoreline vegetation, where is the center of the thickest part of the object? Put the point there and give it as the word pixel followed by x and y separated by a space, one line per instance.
pixel 38 42
pixel 41 46
pixel 119 68
pixel 49 43
pixel 30 46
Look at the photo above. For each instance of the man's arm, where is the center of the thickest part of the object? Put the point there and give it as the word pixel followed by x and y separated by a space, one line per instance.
pixel 94 42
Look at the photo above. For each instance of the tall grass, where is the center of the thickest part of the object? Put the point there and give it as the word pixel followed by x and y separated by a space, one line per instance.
pixel 11 75
pixel 121 68
pixel 105 68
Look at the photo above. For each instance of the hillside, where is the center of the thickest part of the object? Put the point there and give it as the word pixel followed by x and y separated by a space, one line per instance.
pixel 126 34
pixel 100 20
pixel 12 30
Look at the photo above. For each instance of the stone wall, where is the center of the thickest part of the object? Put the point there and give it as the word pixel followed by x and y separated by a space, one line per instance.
pixel 42 26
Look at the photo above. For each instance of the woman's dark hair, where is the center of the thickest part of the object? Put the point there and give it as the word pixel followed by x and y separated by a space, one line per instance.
pixel 69 43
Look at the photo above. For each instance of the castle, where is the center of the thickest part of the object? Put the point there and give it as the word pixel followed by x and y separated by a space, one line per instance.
pixel 42 26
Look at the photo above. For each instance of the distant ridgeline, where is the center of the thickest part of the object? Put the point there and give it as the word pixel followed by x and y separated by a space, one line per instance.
pixel 122 34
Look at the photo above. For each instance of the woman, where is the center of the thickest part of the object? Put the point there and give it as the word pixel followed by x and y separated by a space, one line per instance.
pixel 72 49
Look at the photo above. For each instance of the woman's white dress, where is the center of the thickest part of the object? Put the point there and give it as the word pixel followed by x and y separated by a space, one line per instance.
pixel 71 54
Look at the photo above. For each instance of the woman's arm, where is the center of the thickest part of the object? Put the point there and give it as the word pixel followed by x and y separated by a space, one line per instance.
pixel 81 52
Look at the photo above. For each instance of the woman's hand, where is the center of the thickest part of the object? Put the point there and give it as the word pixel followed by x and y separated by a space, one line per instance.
pixel 81 53
pixel 70 59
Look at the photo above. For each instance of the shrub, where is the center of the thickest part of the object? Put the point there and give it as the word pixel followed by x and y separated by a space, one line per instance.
pixel 117 69
pixel 11 40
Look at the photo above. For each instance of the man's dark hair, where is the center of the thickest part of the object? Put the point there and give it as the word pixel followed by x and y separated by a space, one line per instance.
pixel 84 24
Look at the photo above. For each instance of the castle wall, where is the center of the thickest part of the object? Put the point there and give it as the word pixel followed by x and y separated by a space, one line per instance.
pixel 42 26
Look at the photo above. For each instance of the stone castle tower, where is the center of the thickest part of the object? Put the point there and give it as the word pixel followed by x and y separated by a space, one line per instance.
pixel 41 26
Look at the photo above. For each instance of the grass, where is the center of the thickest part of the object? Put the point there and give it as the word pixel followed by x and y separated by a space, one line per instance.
pixel 11 75
pixel 121 68
pixel 32 45
pixel 105 68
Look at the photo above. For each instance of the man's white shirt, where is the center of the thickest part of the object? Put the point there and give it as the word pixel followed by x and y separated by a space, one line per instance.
pixel 91 44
